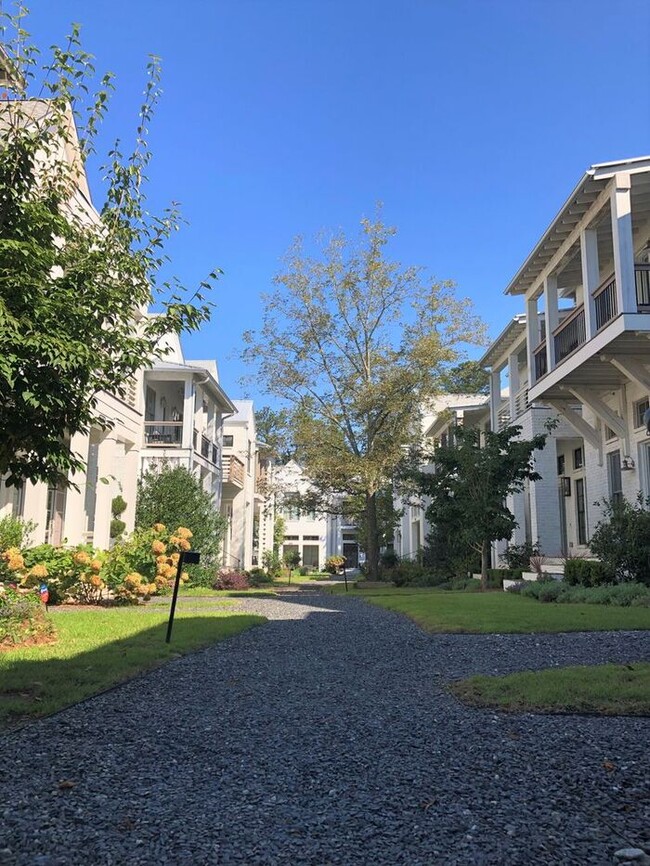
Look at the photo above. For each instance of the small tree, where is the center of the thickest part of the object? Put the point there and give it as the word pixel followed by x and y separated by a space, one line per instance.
pixel 621 540
pixel 291 560
pixel 279 527
pixel 174 497
pixel 471 482
pixel 73 281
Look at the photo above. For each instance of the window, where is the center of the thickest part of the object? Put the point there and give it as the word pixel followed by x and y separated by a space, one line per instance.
pixel 560 464
pixel 291 537
pixel 614 478
pixel 18 504
pixel 581 511
pixel 310 538
pixel 640 407
pixel 228 441
pixel 577 458
pixel 150 404
pixel 609 434
pixel 310 556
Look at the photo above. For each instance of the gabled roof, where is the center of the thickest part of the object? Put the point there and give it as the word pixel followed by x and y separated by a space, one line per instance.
pixel 575 207
pixel 510 335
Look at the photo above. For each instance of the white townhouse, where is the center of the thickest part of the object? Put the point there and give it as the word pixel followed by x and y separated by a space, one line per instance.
pixel 582 349
pixel 81 515
pixel 184 408
pixel 245 500
pixel 315 535
pixel 445 412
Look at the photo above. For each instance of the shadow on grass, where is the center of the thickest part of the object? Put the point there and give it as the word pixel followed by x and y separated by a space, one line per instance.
pixel 97 650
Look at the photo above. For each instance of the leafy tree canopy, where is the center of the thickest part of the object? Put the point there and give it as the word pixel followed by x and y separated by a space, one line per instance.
pixel 473 476
pixel 468 377
pixel 74 283
pixel 273 430
pixel 354 343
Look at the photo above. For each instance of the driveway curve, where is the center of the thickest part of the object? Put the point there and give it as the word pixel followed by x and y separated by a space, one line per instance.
pixel 327 737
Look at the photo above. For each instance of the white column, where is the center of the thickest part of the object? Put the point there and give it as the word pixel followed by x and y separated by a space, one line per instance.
pixel 75 520
pixel 188 413
pixel 623 244
pixel 495 399
pixel 105 492
pixel 513 379
pixel 551 317
pixel 590 277
pixel 532 337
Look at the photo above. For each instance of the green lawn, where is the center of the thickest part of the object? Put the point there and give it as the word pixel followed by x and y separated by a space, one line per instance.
pixel 602 689
pixel 99 648
pixel 501 612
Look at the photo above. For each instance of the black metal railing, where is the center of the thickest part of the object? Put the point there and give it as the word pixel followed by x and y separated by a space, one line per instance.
pixel 163 433
pixel 642 281
pixel 570 334
pixel 605 304
pixel 541 361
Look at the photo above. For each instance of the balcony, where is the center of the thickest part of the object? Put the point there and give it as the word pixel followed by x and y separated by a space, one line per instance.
pixel 233 471
pixel 570 334
pixel 163 434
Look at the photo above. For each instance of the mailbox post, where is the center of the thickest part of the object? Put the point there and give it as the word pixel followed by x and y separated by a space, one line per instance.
pixel 187 557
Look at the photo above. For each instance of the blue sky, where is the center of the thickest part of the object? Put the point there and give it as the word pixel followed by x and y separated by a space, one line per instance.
pixel 471 120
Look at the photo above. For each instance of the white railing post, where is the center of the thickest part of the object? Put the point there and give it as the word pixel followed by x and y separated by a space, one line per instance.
pixel 513 377
pixel 495 399
pixel 551 317
pixel 590 277
pixel 532 336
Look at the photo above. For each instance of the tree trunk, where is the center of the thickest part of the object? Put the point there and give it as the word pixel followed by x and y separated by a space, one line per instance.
pixel 485 563
pixel 372 540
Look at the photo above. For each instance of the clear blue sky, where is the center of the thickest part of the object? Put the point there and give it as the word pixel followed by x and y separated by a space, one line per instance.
pixel 471 120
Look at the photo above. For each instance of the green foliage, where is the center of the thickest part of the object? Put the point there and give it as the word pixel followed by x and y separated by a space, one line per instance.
pixel 258 577
pixel 473 477
pixel 334 563
pixel 406 573
pixel 279 527
pixel 447 554
pixel 174 497
pixel 272 563
pixel 117 528
pixel 273 431
pixel 22 619
pixel 587 572
pixel 292 559
pixel 496 576
pixel 388 559
pixel 70 572
pixel 15 532
pixel 72 280
pixel 622 539
pixel 355 344
pixel 468 377
pixel 518 556
pixel 616 595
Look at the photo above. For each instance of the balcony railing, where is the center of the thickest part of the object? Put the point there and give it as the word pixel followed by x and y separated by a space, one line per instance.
pixel 541 361
pixel 167 434
pixel 233 470
pixel 521 401
pixel 605 296
pixel 570 334
pixel 503 416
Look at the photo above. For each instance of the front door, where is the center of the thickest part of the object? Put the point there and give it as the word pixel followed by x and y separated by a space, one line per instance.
pixel 351 554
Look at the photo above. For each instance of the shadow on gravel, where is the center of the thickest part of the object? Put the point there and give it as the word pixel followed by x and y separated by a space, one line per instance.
pixel 38 681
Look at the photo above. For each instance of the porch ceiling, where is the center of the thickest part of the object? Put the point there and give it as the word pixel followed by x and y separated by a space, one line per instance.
pixel 571 214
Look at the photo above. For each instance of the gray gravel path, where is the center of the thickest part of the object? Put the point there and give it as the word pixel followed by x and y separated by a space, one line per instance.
pixel 326 737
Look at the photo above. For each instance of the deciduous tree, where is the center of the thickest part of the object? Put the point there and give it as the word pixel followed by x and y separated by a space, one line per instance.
pixel 74 282
pixel 473 476
pixel 355 344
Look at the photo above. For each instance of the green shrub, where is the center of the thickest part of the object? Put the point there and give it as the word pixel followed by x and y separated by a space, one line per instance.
pixel 622 539
pixel 22 618
pixel 617 595
pixel 407 573
pixel 334 563
pixel 496 576
pixel 258 577
pixel 273 564
pixel 303 570
pixel 388 559
pixel 587 572
pixel 549 590
pixel 15 532
pixel 518 556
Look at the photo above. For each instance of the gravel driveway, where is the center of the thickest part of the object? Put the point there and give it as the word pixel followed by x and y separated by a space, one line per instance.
pixel 326 737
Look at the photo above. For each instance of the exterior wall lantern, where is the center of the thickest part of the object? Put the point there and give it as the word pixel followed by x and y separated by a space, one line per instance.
pixel 627 464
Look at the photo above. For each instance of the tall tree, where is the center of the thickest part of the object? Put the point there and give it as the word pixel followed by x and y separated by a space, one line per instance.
pixel 74 283
pixel 355 343
pixel 470 484
pixel 468 377
pixel 273 431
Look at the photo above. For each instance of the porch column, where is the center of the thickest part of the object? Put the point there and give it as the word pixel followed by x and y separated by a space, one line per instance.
pixel 551 317
pixel 188 413
pixel 623 244
pixel 590 277
pixel 513 377
pixel 532 337
pixel 105 492
pixel 495 399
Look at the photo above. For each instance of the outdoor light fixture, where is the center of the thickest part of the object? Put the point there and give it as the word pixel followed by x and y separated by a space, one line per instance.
pixel 566 485
pixel 627 464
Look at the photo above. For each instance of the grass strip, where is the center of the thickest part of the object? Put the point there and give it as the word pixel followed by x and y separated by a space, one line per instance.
pixel 607 690
pixel 503 613
pixel 100 648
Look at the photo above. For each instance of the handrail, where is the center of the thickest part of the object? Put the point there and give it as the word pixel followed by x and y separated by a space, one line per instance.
pixel 568 319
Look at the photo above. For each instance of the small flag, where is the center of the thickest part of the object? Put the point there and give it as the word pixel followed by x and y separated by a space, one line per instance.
pixel 44 593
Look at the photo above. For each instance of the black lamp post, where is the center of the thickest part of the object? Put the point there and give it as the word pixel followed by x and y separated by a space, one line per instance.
pixel 187 557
